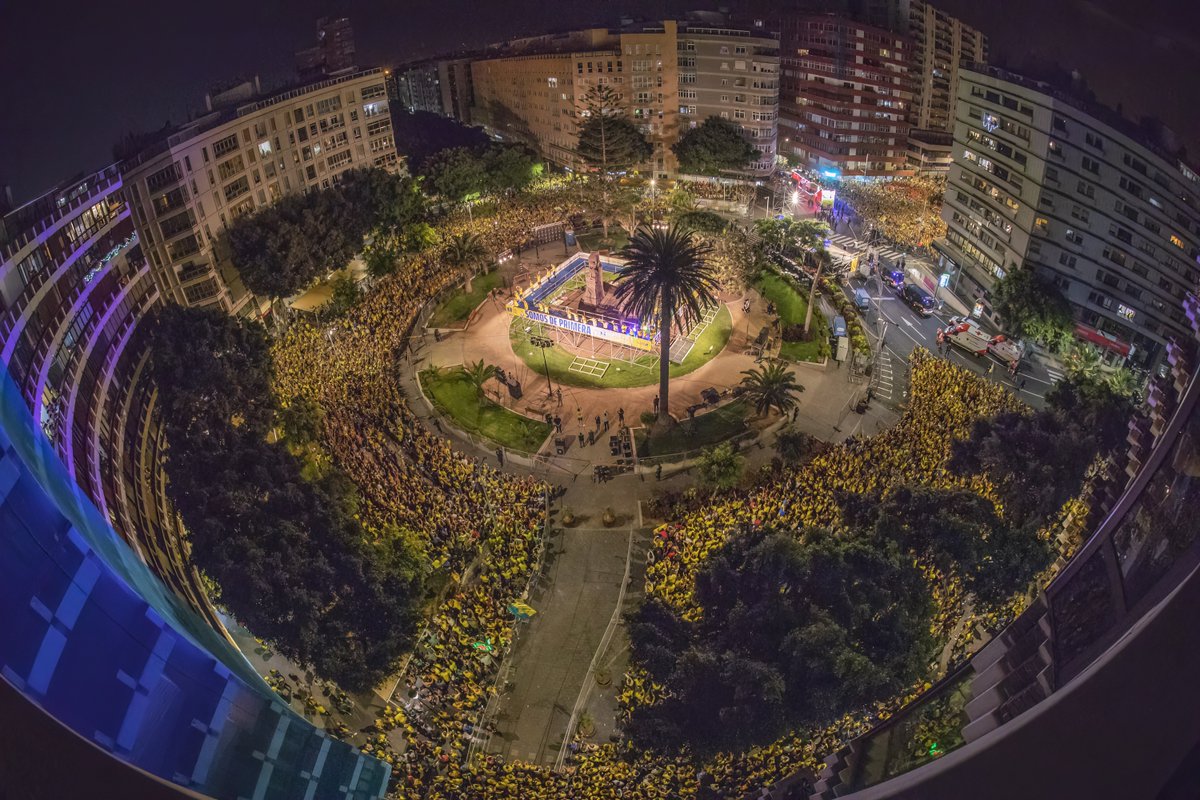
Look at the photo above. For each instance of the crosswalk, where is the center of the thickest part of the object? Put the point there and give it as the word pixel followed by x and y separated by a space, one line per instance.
pixel 883 379
pixel 852 245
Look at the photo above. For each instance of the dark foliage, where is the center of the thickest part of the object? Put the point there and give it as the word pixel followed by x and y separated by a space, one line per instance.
pixel 283 248
pixel 293 563
pixel 796 629
pixel 420 134
pixel 714 147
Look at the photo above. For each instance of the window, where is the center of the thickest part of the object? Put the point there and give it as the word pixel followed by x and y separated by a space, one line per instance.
pixel 1086 189
pixel 1175 240
pixel 1060 124
pixel 372 92
pixel 338 159
pixel 1052 174
pixel 1067 260
pixel 163 178
pixel 237 188
pixel 1094 141
pixel 1042 224
pixel 1135 164
pixel 1091 165
pixel 225 146
pixel 227 169
pixel 1074 237
pixel 1080 213
pixel 264 148
pixel 552 83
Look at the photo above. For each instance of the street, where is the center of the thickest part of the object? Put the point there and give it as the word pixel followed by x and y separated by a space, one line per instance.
pixel 903 329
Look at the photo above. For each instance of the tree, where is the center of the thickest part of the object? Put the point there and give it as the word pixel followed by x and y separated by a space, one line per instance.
pixel 1037 460
pixel 292 560
pixel 708 222
pixel 821 257
pixel 796 628
pixel 283 248
pixel 792 237
pixel 1032 305
pixel 666 279
pixel 1094 406
pixel 343 296
pixel 794 446
pixel 508 168
pixel 714 147
pixel 772 386
pixel 454 174
pixel 465 252
pixel 608 140
pixel 1083 361
pixel 719 466
pixel 735 260
pixel 478 374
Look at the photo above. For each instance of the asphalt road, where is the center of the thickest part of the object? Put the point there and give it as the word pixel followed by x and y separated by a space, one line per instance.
pixel 551 660
pixel 903 330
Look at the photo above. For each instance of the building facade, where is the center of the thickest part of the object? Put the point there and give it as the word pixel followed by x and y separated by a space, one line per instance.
pixel 732 73
pixel 1043 180
pixel 941 46
pixel 844 97
pixel 458 92
pixel 420 88
pixel 187 188
pixel 668 76
pixel 333 52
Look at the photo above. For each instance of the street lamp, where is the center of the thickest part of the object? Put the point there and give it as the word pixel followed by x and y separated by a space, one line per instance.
pixel 542 342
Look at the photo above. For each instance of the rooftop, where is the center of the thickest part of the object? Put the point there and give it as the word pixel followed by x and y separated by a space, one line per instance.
pixel 173 135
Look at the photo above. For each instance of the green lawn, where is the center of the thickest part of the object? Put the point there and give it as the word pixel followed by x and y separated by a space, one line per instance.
pixel 707 429
pixel 792 306
pixel 455 397
pixel 620 374
pixel 460 305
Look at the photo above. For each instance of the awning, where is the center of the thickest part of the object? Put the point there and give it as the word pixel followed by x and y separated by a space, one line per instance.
pixel 1103 339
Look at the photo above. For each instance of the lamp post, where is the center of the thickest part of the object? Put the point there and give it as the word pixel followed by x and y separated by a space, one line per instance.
pixel 542 342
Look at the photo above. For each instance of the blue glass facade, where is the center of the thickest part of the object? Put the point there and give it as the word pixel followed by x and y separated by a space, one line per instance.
pixel 91 636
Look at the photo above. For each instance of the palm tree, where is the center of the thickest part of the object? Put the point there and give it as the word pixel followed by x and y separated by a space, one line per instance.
pixel 465 252
pixel 1122 382
pixel 1083 361
pixel 477 374
pixel 772 386
pixel 666 278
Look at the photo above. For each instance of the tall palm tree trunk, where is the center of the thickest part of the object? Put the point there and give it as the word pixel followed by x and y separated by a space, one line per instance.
pixel 812 296
pixel 664 363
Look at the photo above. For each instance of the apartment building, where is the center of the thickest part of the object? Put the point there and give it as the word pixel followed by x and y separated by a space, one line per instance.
pixel 333 52
pixel 941 46
pixel 844 96
pixel 420 87
pixel 670 76
pixel 732 73
pixel 1046 180
pixel 538 97
pixel 244 154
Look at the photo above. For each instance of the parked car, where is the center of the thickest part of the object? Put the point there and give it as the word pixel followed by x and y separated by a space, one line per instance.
pixel 918 299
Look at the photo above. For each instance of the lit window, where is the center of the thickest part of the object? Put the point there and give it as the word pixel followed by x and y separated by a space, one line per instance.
pixel 1175 240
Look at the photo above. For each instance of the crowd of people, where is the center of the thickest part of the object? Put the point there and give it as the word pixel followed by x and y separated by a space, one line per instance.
pixel 481 531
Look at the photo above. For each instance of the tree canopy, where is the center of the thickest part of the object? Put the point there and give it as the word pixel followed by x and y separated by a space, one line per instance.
pixel 1031 305
pixel 281 249
pixel 293 562
pixel 796 628
pixel 714 147
pixel 666 280
pixel 608 140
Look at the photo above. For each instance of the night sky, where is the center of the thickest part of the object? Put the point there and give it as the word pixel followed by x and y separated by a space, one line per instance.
pixel 77 76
